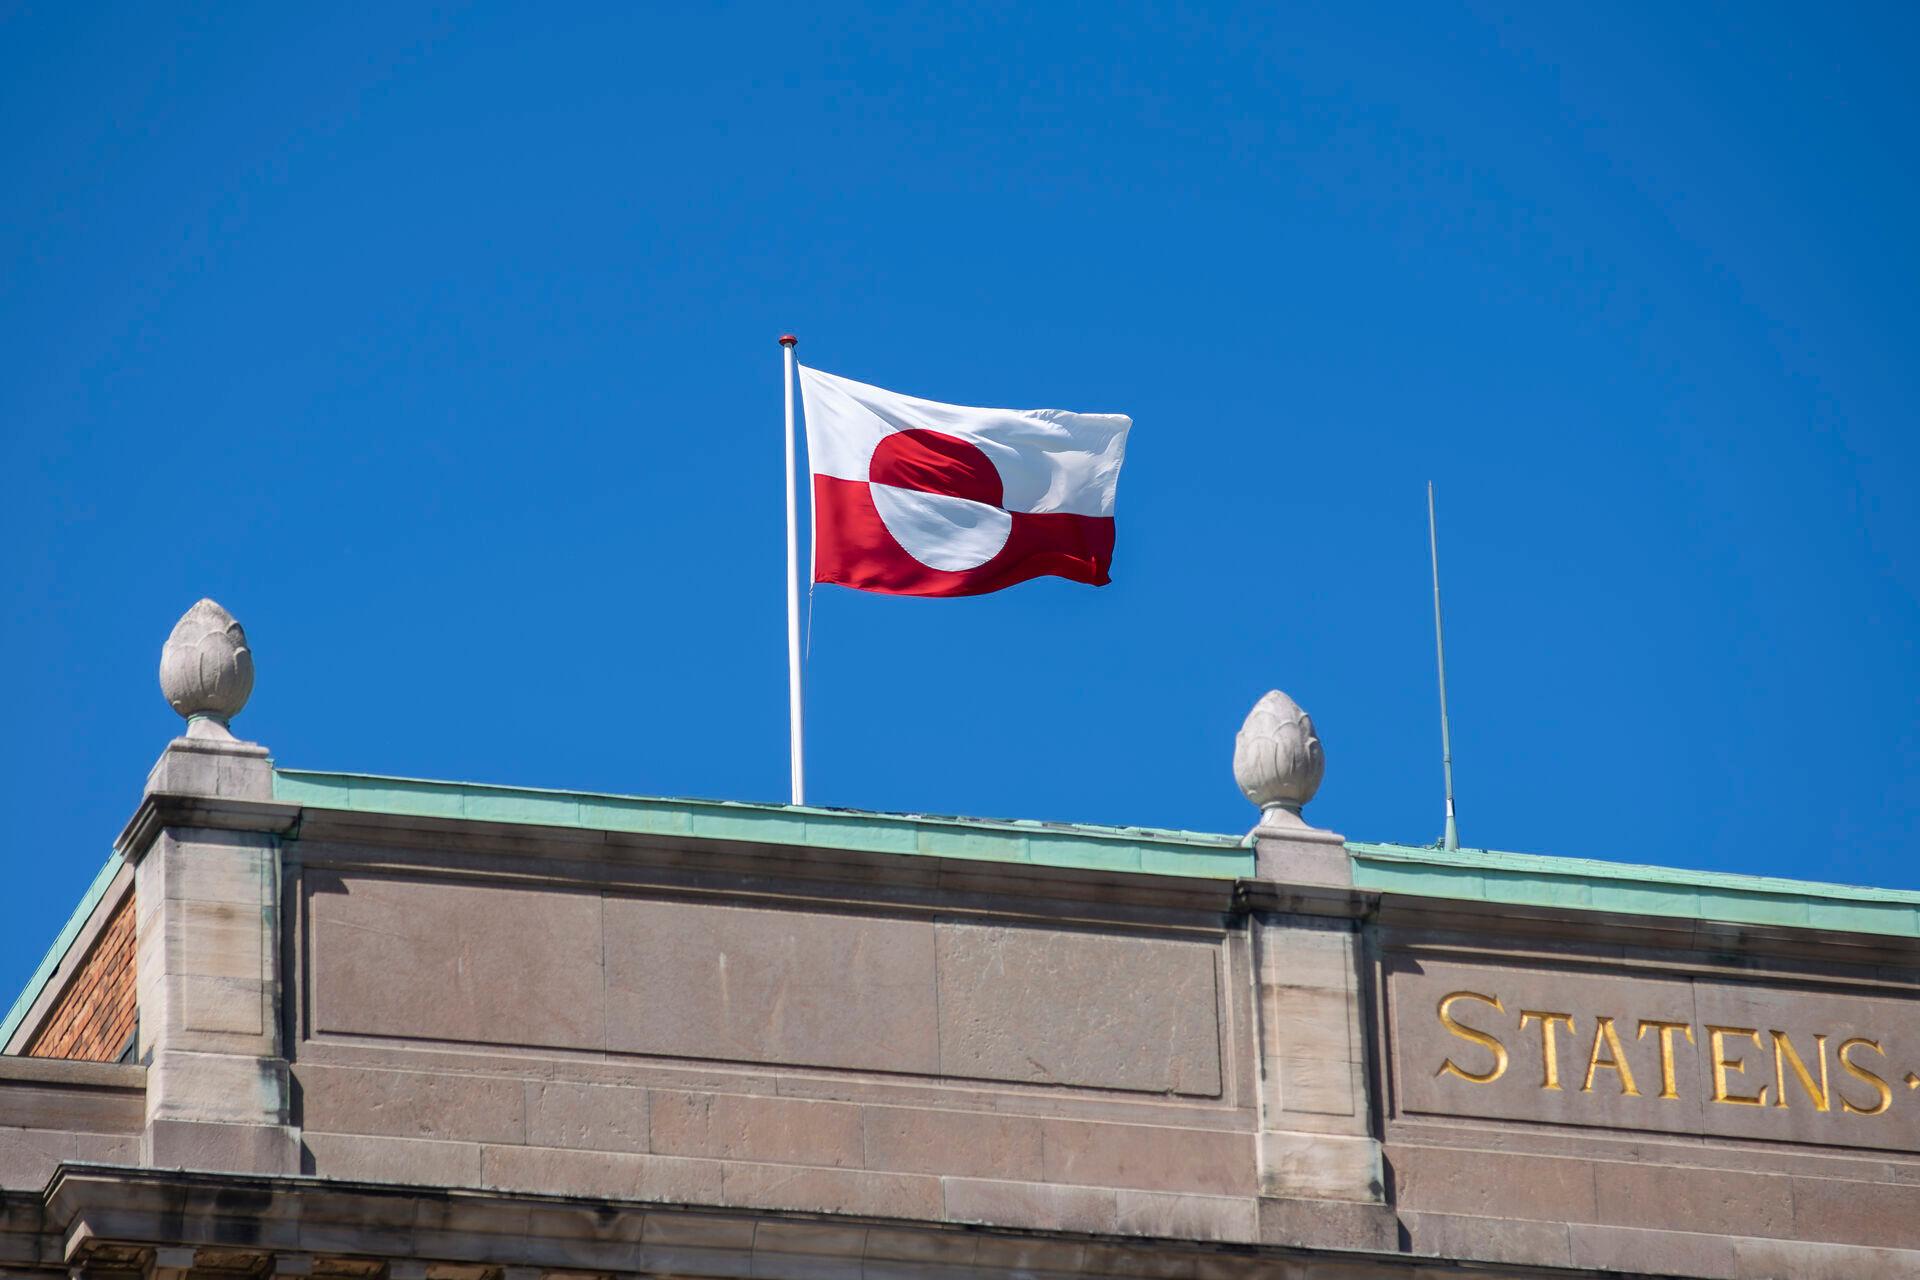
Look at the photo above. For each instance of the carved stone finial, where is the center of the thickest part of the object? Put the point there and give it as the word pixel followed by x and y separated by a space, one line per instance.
pixel 206 669
pixel 1277 759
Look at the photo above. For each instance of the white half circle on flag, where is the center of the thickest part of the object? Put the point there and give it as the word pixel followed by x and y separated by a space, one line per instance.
pixel 942 532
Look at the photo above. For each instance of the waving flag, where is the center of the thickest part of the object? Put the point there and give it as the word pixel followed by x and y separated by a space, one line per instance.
pixel 914 497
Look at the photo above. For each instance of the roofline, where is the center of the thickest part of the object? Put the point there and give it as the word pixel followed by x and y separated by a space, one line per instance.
pixel 1140 850
pixel 1468 875
pixel 1585 884
pixel 1423 871
pixel 63 943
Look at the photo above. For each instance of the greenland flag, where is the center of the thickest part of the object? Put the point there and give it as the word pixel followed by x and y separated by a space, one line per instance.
pixel 916 498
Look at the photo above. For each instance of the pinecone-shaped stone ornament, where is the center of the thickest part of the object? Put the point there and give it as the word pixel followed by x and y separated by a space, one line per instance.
pixel 1277 758
pixel 206 669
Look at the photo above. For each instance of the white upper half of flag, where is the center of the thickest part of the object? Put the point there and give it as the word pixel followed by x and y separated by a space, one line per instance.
pixel 1048 459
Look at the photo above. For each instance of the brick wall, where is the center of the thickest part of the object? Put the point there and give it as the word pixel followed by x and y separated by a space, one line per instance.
pixel 94 1017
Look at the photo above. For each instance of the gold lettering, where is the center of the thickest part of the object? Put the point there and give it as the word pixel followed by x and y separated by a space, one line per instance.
pixel 1861 1073
pixel 1468 1034
pixel 1549 1046
pixel 1716 1038
pixel 1784 1055
pixel 1666 1030
pixel 1603 1033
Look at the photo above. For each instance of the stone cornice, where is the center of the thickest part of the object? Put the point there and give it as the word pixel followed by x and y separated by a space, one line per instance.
pixel 120 1221
pixel 1068 845
pixel 160 810
pixel 72 1073
pixel 692 864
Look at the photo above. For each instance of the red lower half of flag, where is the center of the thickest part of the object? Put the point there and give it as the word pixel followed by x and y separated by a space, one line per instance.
pixel 854 545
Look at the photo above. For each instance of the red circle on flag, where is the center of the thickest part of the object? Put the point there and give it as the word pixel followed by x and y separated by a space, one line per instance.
pixel 934 462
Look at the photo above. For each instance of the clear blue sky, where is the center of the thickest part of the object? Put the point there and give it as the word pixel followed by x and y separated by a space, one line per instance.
pixel 441 350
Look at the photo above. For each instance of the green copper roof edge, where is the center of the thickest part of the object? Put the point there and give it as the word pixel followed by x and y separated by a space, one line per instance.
pixel 62 943
pixel 1584 884
pixel 1466 874
pixel 1547 864
pixel 1140 850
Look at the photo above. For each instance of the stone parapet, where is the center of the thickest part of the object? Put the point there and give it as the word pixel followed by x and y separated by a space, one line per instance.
pixel 54 1111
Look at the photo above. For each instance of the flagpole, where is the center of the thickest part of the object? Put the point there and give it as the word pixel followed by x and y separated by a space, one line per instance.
pixel 795 729
pixel 1451 839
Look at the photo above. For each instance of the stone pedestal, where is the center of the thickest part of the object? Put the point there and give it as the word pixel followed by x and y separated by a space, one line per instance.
pixel 1288 851
pixel 207 924
pixel 1317 1140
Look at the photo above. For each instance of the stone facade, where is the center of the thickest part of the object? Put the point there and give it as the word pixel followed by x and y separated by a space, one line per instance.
pixel 412 1030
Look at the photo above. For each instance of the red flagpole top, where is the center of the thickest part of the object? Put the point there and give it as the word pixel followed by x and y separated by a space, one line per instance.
pixel 788 340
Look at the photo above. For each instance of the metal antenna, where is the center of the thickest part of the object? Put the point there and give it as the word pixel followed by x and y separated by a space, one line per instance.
pixel 1452 838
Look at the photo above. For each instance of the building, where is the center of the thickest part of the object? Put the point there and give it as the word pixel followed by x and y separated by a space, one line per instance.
pixel 324 1025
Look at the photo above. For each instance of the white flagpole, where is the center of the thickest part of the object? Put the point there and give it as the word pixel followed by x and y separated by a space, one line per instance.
pixel 1451 838
pixel 796 732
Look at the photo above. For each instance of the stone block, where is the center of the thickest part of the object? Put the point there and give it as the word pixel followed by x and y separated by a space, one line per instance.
pixel 191 766
pixel 220 939
pixel 1637 1252
pixel 1857 1213
pixel 602 1175
pixel 1246 1266
pixel 683 1244
pixel 1502 1240
pixel 218 1087
pixel 961 1143
pixel 412 1104
pixel 481 1227
pixel 1034 1206
pixel 1310 1022
pixel 933 1248
pixel 1804 1260
pixel 413 1161
pixel 588 1117
pixel 28 1157
pixel 351 1238
pixel 205 969
pixel 1320 1166
pixel 236 868
pixel 1493 1184
pixel 1712 1201
pixel 1345 1269
pixel 55 1106
pixel 228 1006
pixel 1311 952
pixel 795 987
pixel 1315 1022
pixel 1178 1217
pixel 1143 1261
pixel 877 1195
pixel 897 1269
pixel 1329 1224
pixel 735 1126
pixel 482 964
pixel 1025 1257
pixel 1067 1007
pixel 1149 1158
pixel 703 1230
pixel 807 1250
pixel 1301 855
pixel 221 1148
pixel 1318 1084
